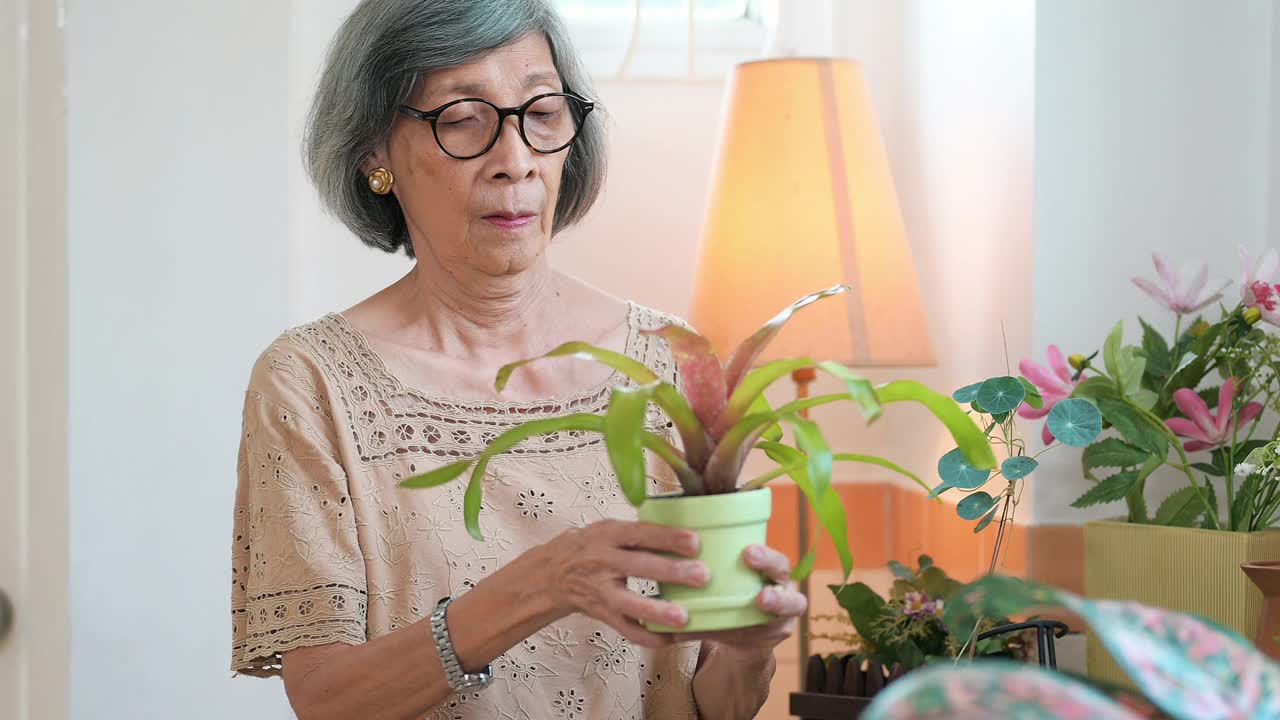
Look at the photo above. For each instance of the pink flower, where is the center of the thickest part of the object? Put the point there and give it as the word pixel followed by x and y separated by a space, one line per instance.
pixel 1173 293
pixel 1258 288
pixel 915 603
pixel 1206 429
pixel 1054 382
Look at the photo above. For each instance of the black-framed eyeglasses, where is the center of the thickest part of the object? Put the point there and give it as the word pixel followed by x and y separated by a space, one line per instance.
pixel 469 128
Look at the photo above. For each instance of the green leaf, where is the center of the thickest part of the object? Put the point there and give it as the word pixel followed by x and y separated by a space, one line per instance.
pixel 1135 428
pixel 865 608
pixel 633 369
pixel 1210 470
pixel 759 380
pixel 975 506
pixel 1159 361
pixel 1212 495
pixel 1109 490
pixel 1123 364
pixel 1145 399
pixel 724 467
pixel 827 505
pixel 624 439
pixel 439 476
pixel 966 393
pixel 1096 388
pixel 924 561
pixel 880 462
pixel 935 583
pixel 968 436
pixel 471 500
pixel 1075 422
pixel 759 406
pixel 1034 398
pixel 956 472
pixel 746 353
pixel 1114 452
pixel 901 571
pixel 1016 468
pixel 1001 395
pixel 805 566
pixel 999 418
pixel 1189 375
pixel 1181 509
pixel 810 442
pixel 1242 506
pixel 986 520
pixel 860 389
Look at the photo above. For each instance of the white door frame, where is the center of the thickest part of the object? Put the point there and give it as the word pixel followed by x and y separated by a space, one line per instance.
pixel 34 530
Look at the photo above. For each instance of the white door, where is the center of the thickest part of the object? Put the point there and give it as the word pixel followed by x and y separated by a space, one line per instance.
pixel 34 649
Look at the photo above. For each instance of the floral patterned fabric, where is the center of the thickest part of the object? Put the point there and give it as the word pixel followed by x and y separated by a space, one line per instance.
pixel 328 548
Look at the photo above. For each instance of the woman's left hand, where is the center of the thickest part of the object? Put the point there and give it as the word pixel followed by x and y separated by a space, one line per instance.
pixel 781 600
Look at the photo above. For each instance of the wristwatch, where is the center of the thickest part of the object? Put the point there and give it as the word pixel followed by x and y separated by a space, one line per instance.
pixel 458 680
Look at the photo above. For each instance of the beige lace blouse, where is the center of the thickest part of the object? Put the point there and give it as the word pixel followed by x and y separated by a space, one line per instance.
pixel 328 548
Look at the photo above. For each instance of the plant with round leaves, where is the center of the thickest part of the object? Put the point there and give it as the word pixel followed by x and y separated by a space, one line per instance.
pixel 720 415
pixel 995 401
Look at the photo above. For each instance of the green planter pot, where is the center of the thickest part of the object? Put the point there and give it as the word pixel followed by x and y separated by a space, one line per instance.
pixel 726 525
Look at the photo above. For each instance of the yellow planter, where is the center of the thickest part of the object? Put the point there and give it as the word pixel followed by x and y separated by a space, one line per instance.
pixel 1185 569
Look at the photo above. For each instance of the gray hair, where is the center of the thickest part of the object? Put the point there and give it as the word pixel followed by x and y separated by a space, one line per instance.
pixel 377 56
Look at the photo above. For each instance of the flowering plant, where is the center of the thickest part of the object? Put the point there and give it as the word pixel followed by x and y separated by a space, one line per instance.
pixel 907 629
pixel 1194 404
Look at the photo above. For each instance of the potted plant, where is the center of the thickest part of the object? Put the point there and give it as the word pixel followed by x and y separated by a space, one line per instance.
pixel 719 415
pixel 1184 667
pixel 1194 405
pixel 888 637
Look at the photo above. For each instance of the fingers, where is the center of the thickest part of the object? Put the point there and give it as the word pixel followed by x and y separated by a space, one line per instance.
pixel 634 563
pixel 633 631
pixel 782 601
pixel 650 610
pixel 770 562
pixel 647 536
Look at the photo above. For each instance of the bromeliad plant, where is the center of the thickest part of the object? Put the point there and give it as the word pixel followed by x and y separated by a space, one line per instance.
pixel 1194 404
pixel 720 416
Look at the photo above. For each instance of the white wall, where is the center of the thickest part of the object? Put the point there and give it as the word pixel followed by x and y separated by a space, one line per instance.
pixel 177 143
pixel 1274 202
pixel 1153 120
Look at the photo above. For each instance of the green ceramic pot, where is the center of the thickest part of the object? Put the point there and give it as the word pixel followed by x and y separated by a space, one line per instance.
pixel 726 525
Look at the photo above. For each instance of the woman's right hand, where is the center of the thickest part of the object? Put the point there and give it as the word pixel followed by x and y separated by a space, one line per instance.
pixel 587 570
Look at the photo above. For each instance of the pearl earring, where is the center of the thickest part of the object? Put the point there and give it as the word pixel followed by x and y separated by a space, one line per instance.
pixel 380 181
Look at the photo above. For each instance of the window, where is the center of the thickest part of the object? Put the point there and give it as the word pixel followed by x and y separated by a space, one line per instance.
pixel 663 38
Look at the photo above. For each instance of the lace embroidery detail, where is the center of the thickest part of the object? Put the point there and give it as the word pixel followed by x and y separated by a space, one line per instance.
pixel 387 420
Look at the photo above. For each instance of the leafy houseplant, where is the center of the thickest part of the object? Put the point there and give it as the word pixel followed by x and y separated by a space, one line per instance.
pixel 907 629
pixel 720 416
pixel 1186 667
pixel 995 402
pixel 1193 404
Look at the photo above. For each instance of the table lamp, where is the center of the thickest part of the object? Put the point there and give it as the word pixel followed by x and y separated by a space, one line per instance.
pixel 801 199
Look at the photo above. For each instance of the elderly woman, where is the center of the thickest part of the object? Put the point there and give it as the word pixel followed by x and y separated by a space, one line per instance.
pixel 464 134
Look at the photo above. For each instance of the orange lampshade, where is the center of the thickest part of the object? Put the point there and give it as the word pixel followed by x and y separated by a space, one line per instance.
pixel 802 199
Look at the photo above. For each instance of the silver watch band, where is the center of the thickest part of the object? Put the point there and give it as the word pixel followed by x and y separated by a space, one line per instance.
pixel 459 681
